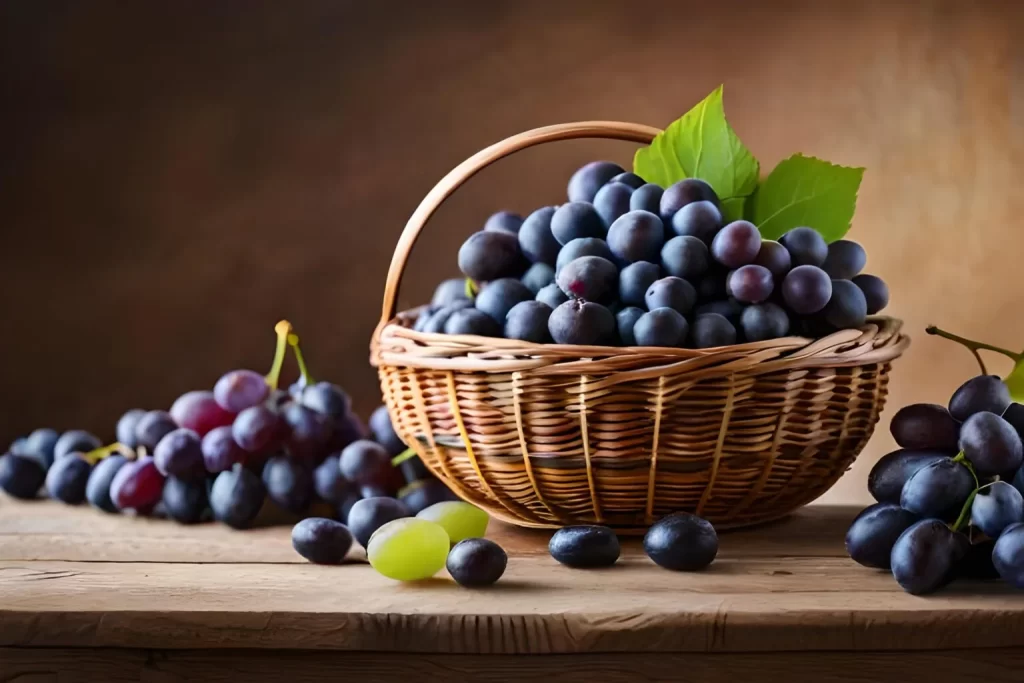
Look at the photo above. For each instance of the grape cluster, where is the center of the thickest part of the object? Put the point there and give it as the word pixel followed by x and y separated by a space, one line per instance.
pixel 226 454
pixel 630 263
pixel 950 500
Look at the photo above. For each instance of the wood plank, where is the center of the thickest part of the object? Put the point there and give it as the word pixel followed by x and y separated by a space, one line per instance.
pixel 298 666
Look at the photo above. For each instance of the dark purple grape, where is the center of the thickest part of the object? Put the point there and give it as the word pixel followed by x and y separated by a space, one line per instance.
pixel 40 444
pixel 289 484
pixel 872 535
pixel 730 309
pixel 439 318
pixel 538 276
pixel 346 431
pixel 321 540
pixel 366 463
pixel 750 284
pixel 629 179
pixel 449 291
pixel 634 281
pixel 671 292
pixel 97 489
pixel 236 497
pixel 612 201
pixel 888 476
pixel 180 454
pixel 220 452
pixel 938 489
pixel 426 493
pixel 991 444
pixel 528 321
pixel 763 321
pixel 876 292
pixel 737 244
pixel 845 260
pixel 685 192
pixel 67 478
pixel 329 483
pixel 21 476
pixel 257 429
pixel 585 546
pixel 589 277
pixel 660 327
pixel 925 556
pixel 138 485
pixel 476 562
pixel 185 502
pixel 414 470
pixel 924 426
pixel 646 198
pixel 702 220
pixel 535 238
pixel 497 298
pixel 1008 555
pixel 711 330
pixel 384 432
pixel 775 258
pixel 586 181
pixel 1014 414
pixel 370 514
pixel 552 295
pixel 491 255
pixel 583 323
pixel 200 412
pixel 505 221
pixel 681 542
pixel 574 220
pixel 578 248
pixel 806 290
pixel 472 321
pixel 240 389
pixel 806 247
pixel 686 257
pixel 327 399
pixel 308 432
pixel 626 320
pixel 995 507
pixel 77 441
pixel 637 236
pixel 982 393
pixel 846 308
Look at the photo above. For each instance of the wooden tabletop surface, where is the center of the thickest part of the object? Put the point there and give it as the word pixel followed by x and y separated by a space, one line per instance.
pixel 75 577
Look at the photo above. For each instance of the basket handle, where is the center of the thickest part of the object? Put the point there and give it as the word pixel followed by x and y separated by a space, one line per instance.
pixel 612 130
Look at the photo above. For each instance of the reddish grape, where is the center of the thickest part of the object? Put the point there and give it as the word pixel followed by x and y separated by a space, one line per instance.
pixel 138 486
pixel 240 389
pixel 200 412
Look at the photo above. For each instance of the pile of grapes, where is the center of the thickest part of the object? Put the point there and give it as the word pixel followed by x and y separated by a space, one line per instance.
pixel 226 454
pixel 950 501
pixel 629 263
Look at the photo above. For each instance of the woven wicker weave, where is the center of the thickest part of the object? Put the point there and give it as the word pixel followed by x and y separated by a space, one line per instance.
pixel 549 435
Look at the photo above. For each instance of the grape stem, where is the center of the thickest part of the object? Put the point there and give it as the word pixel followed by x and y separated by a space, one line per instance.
pixel 471 288
pixel 293 341
pixel 402 457
pixel 283 329
pixel 965 512
pixel 974 346
pixel 97 454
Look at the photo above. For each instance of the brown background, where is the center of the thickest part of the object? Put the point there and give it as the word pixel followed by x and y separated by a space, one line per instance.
pixel 176 177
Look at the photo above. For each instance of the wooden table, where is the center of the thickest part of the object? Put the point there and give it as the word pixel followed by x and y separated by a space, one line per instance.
pixel 96 597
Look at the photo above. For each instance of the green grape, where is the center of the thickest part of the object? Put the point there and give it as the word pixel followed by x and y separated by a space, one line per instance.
pixel 461 520
pixel 408 549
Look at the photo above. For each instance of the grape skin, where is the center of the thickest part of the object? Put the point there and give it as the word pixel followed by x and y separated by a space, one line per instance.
pixel 326 398
pixel 775 258
pixel 585 182
pixel 711 330
pixel 552 295
pixel 459 519
pixel 329 483
pixel 701 219
pixel 876 292
pixel 938 489
pixel 308 432
pixel 925 556
pixel 180 454
pixel 889 475
pixel 681 542
pixel 991 444
pixel 448 292
pixel 321 541
pixel 138 485
pixel 476 562
pixel 497 298
pixel 806 290
pixel 660 327
pixel 1008 555
pixel 737 244
pixel 240 389
pixel 685 192
pixel 538 276
pixel 626 321
pixel 384 432
pixel 505 221
pixel 872 535
pixel 806 247
pixel 671 292
pixel 751 284
pixel 585 546
pixel 97 489
pixel 75 441
pixel 200 412
pixel 67 478
pixel 236 497
pixel 612 201
pixel 369 514
pixel 152 427
pixel 844 260
pixel 256 429
pixel 634 281
pixel 536 241
pixel 637 236
pixel 408 549
pixel 846 308
pixel 575 220
pixel 730 309
pixel 583 246
pixel 981 393
pixel 289 484
pixel 41 443
pixel 528 321
pixel 21 476
pixel 472 321
pixel 492 255
pixel 631 180
pixel 435 324
pixel 427 492
pixel 220 452
pixel 185 502
pixel 997 506
pixel 763 321
pixel 582 322
pixel 646 198
pixel 589 277
pixel 925 425
pixel 686 257
pixel 365 463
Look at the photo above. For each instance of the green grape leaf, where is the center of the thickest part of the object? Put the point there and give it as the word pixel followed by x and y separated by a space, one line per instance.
pixel 805 191
pixel 1015 382
pixel 702 144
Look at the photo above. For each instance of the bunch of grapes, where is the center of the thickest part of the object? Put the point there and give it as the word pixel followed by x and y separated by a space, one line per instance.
pixel 951 499
pixel 629 263
pixel 225 454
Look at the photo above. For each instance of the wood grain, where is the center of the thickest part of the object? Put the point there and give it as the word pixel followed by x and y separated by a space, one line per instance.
pixel 151 584
pixel 297 666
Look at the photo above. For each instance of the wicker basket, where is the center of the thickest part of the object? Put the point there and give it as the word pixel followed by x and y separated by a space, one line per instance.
pixel 549 435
